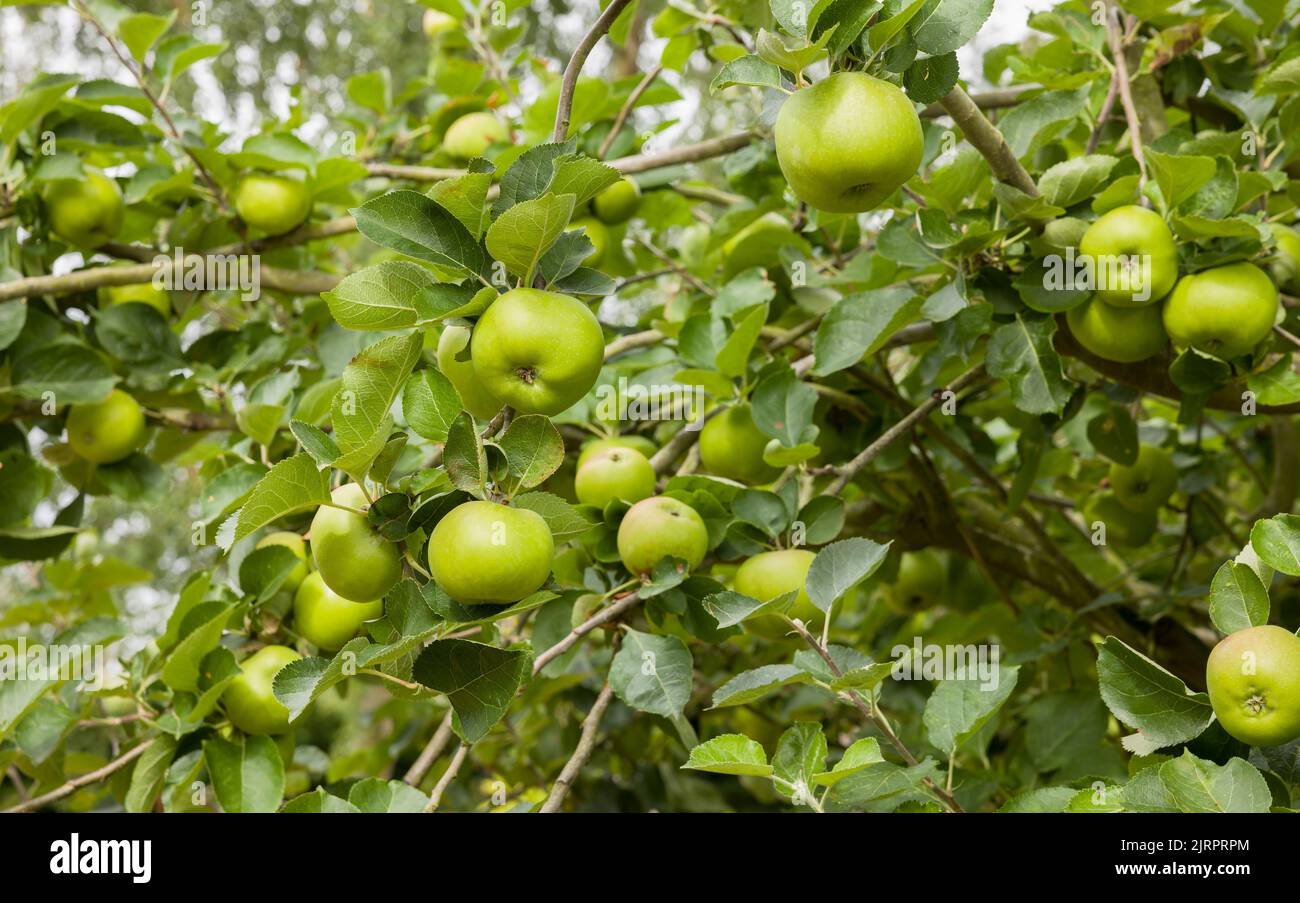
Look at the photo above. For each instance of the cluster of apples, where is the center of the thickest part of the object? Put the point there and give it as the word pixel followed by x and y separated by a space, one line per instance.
pixel 1224 311
pixel 1130 507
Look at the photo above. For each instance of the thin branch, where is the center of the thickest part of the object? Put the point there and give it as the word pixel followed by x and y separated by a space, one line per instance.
pixel 988 100
pixel 447 776
pixel 586 743
pixel 1116 39
pixel 627 110
pixel 662 460
pixel 600 617
pixel 1107 108
pixel 569 82
pixel 987 140
pixel 625 343
pixel 690 153
pixel 77 783
pixel 420 767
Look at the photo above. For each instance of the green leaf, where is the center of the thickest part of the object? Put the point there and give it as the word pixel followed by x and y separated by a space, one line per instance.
pixel 18 696
pixel 1238 599
pixel 465 457
pixel 371 382
pixel 1033 122
pixel 247 773
pixel 943 26
pixel 861 324
pixel 178 53
pixel 749 70
pixel 841 566
pixel 1199 785
pixel 754 684
pixel 928 80
pixel 1145 696
pixel 480 681
pixel 564 520
pixel 149 773
pixel 733 356
pixel 318 801
pixel 652 673
pixel 862 754
pixel 963 704
pixel 378 795
pixel 1179 176
pixel 582 177
pixel 730 608
pixel 414 224
pixel 730 754
pixel 1277 542
pixel 1074 180
pixel 291 486
pixel 800 756
pixel 139 31
pixel 522 234
pixel 1278 385
pixel 1115 435
pixel 379 297
pixel 1021 353
pixel 882 787
pixel 533 448
pixel 263 571
pixel 431 404
pixel 465 197
pixel 205 624
pixel 75 375
pixel 885 30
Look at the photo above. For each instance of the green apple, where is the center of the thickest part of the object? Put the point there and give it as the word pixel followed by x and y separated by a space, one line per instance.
pixel 597 234
pixel 1124 528
pixel 325 618
pixel 478 400
pixel 617 203
pixel 1122 334
pixel 485 553
pixel 759 245
pixel 1225 311
pixel 539 352
pixel 1286 263
pixel 144 293
pixel 848 142
pixel 766 576
pixel 273 204
pixel 85 212
pixel 638 443
pixel 731 445
pixel 1146 484
pixel 106 431
pixel 615 473
pixel 293 542
pixel 472 134
pixel 353 559
pixel 922 582
pixel 661 527
pixel 1253 678
pixel 436 23
pixel 250 704
pixel 1135 260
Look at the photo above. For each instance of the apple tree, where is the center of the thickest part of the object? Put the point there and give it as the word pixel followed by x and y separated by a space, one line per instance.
pixel 709 405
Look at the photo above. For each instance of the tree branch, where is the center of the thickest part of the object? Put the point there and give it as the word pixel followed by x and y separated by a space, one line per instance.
pixel 605 614
pixel 569 82
pixel 627 110
pixel 435 798
pixel 586 743
pixel 78 782
pixel 987 140
pixel 420 767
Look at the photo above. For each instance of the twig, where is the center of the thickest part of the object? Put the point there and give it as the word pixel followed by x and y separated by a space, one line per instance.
pixel 663 459
pixel 1116 39
pixel 586 743
pixel 83 780
pixel 1106 108
pixel 447 776
pixel 600 617
pixel 988 100
pixel 985 137
pixel 305 282
pixel 569 82
pixel 627 110
pixel 690 153
pixel 632 341
pixel 420 767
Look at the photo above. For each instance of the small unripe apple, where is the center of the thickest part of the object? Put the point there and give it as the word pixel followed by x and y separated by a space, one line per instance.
pixel 478 400
pixel 325 618
pixel 1225 311
pixel 848 142
pixel 85 212
pixel 1122 334
pixel 144 293
pixel 1133 245
pixel 615 473
pixel 1285 268
pixel 353 559
pixel 294 543
pixel 1148 482
pixel 106 431
pixel 661 527
pixel 485 553
pixel 472 134
pixel 638 443
pixel 1124 528
pixel 766 576
pixel 922 582
pixel 731 445
pixel 273 204
pixel 1253 678
pixel 597 234
pixel 539 352
pixel 250 703
pixel 617 203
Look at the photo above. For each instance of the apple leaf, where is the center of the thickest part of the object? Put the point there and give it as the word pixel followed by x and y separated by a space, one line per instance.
pixel 465 457
pixel 263 571
pixel 371 382
pixel 1238 599
pixel 1277 542
pixel 1071 181
pixel 749 70
pixel 531 174
pixel 1021 353
pixel 800 755
pixel 379 297
pixel 480 681
pixel 139 31
pixel 885 30
pixel 291 486
pixel 860 324
pixel 581 176
pixel 522 234
pixel 756 683
pixel 961 705
pixel 841 566
pixel 1145 696
pixel 431 404
pixel 465 197
pixel 1179 176
pixel 928 80
pixel 942 26
pixel 564 520
pixel 652 673
pixel 378 795
pixel 862 754
pixel 533 450
pixel 74 374
pixel 733 356
pixel 730 754
pixel 247 773
pixel 415 224
pixel 149 774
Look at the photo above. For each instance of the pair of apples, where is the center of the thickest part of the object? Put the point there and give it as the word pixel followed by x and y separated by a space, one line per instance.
pixel 1224 311
pixel 1130 507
